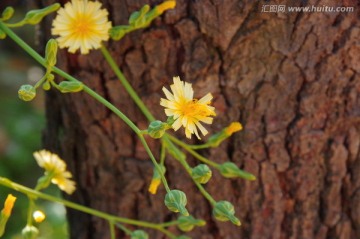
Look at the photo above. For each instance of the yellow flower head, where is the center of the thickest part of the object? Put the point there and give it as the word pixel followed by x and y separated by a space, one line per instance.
pixel 39 216
pixel 154 185
pixel 81 24
pixel 170 4
pixel 232 128
pixel 8 205
pixel 56 167
pixel 185 110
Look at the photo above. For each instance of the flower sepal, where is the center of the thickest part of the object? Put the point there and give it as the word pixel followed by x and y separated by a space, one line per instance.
pixel 33 17
pixel 201 173
pixel 137 19
pixel 27 92
pixel 224 211
pixel 188 223
pixel 70 86
pixel 175 201
pixel 7 13
pixel 30 232
pixel 230 170
pixel 50 52
pixel 139 234
pixel 2 35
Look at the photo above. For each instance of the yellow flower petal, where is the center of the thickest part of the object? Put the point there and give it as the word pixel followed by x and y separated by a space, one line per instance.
pixel 154 185
pixel 81 25
pixel 187 111
pixel 56 167
pixel 8 205
pixel 232 128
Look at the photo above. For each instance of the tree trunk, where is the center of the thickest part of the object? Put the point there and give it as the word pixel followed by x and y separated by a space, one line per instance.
pixel 292 79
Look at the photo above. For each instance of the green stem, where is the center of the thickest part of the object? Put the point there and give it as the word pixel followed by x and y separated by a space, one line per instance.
pixel 123 228
pixel 112 230
pixel 30 211
pixel 35 194
pixel 126 84
pixel 183 162
pixel 192 152
pixel 199 146
pixel 168 224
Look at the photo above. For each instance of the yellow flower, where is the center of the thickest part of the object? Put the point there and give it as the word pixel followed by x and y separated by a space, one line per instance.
pixel 232 128
pixel 8 205
pixel 185 110
pixel 165 6
pixel 56 167
pixel 81 24
pixel 154 185
pixel 39 216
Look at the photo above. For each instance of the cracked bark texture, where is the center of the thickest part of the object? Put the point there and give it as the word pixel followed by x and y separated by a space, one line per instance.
pixel 292 79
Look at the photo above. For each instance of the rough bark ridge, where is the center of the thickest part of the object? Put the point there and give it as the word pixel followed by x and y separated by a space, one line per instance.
pixel 293 79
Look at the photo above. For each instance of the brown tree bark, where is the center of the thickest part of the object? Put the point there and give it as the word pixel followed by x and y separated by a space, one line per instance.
pixel 292 79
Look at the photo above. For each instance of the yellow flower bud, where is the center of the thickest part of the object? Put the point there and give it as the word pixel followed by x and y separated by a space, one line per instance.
pixel 39 216
pixel 9 204
pixel 165 6
pixel 232 128
pixel 154 185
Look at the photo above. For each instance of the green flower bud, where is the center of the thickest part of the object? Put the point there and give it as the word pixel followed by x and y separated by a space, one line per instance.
pixel 27 92
pixel 186 224
pixel 137 19
pixel 230 170
pixel 50 52
pixel 118 32
pixel 224 211
pixel 2 34
pixel 175 201
pixel 139 234
pixel 30 232
pixel 156 129
pixel 201 173
pixel 70 86
pixel 7 13
pixel 33 17
pixel 183 237
pixel 46 85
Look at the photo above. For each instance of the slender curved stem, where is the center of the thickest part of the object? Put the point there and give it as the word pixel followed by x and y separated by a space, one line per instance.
pixel 192 152
pixel 112 230
pixel 126 84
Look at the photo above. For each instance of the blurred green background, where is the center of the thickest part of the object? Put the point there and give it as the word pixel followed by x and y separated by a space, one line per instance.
pixel 21 125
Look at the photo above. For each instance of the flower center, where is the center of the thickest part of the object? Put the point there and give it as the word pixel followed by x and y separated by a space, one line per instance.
pixel 195 109
pixel 82 25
